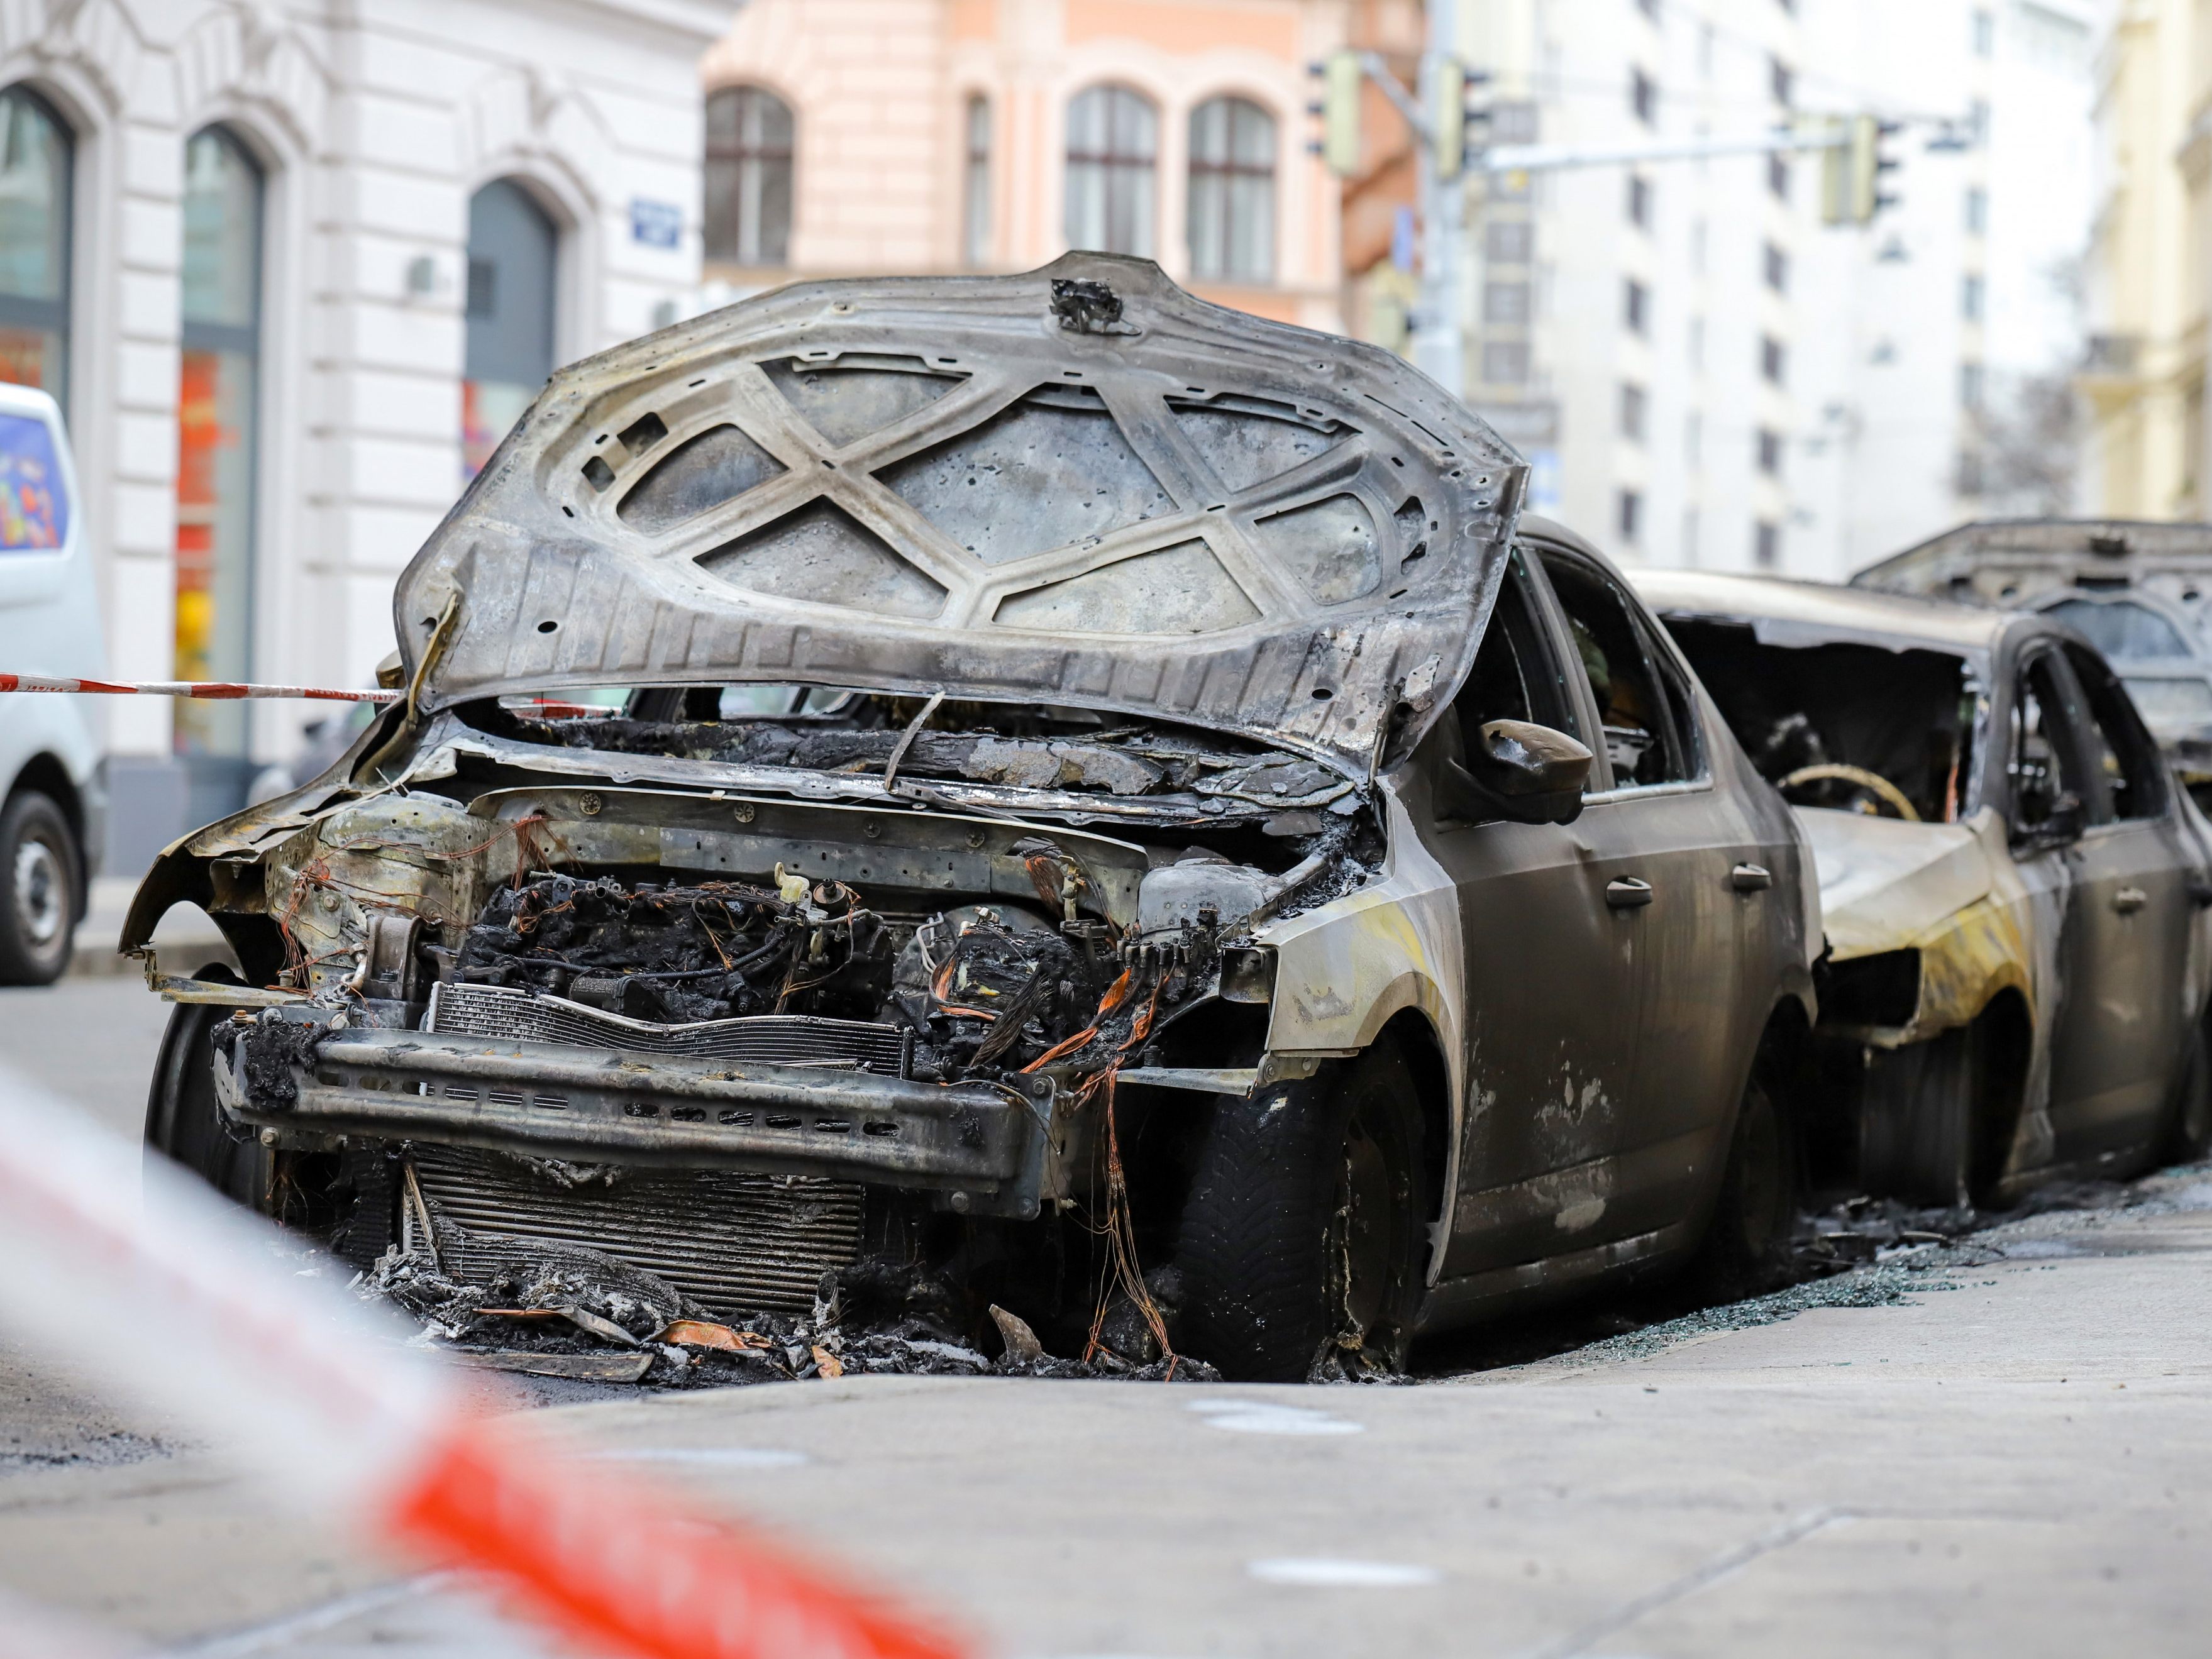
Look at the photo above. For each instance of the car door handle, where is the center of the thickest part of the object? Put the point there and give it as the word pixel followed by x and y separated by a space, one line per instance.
pixel 1751 879
pixel 2129 900
pixel 1626 892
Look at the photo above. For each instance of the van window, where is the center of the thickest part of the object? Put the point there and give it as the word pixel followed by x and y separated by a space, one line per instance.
pixel 35 504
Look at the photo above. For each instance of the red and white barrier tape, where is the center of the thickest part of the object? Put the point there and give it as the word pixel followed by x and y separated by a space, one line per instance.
pixel 211 691
pixel 317 1395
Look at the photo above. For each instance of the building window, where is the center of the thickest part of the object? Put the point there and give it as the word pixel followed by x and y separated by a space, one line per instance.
pixel 1777 268
pixel 748 176
pixel 1969 478
pixel 1777 176
pixel 1633 403
pixel 1693 440
pixel 1639 201
pixel 1780 82
pixel 1985 41
pixel 1648 7
pixel 1628 514
pixel 1509 241
pixel 1970 385
pixel 1766 545
pixel 1232 192
pixel 1689 537
pixel 35 153
pixel 1970 298
pixel 1770 453
pixel 1644 97
pixel 217 437
pixel 975 198
pixel 508 316
pixel 1505 363
pixel 1505 302
pixel 1772 361
pixel 1113 139
pixel 1635 306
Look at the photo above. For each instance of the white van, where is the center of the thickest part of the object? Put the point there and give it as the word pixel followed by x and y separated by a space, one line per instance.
pixel 53 811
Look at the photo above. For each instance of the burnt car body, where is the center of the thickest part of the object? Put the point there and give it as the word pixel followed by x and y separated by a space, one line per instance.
pixel 1102 784
pixel 2135 590
pixel 2012 882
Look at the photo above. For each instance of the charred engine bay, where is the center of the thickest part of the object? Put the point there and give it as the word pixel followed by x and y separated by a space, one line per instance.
pixel 926 941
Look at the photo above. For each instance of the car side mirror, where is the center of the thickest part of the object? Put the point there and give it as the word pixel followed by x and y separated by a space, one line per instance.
pixel 1522 772
pixel 2062 826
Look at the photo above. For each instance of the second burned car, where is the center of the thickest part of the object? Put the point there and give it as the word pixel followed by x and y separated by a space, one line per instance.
pixel 1036 782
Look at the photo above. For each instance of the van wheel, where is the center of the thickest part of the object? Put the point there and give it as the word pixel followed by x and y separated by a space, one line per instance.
pixel 1301 1238
pixel 184 1122
pixel 1745 1249
pixel 2188 1125
pixel 40 878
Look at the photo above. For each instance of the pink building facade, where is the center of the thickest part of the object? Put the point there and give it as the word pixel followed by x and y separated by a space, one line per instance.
pixel 849 137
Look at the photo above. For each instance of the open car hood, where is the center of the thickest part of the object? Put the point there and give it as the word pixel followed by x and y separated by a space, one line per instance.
pixel 1080 485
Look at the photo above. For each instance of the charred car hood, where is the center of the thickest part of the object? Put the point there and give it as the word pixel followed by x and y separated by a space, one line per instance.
pixel 1884 883
pixel 1079 486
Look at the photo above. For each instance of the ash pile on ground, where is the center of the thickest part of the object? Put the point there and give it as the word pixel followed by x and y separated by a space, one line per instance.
pixel 568 1311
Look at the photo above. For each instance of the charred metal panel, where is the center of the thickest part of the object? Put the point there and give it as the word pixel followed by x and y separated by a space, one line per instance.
pixel 949 483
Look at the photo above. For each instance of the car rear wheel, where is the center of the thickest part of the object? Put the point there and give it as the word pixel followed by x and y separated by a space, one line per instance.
pixel 1745 1249
pixel 40 868
pixel 1301 1238
pixel 184 1122
pixel 2189 1123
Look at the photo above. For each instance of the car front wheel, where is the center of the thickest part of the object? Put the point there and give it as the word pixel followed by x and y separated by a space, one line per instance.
pixel 1301 1239
pixel 39 882
pixel 185 1121
pixel 1745 1249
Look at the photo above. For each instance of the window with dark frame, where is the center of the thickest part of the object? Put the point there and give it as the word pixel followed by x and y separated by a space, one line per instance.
pixel 1112 148
pixel 1231 202
pixel 1772 359
pixel 37 157
pixel 1508 242
pixel 1781 81
pixel 1633 407
pixel 748 176
pixel 1770 452
pixel 1776 268
pixel 1777 176
pixel 1643 97
pixel 1635 306
pixel 1628 515
pixel 1505 363
pixel 1639 201
pixel 1766 545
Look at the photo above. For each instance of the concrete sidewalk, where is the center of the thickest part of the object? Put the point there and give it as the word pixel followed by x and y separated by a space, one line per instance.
pixel 2018 1466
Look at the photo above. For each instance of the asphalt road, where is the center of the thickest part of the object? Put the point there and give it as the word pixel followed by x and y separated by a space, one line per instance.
pixel 2006 1450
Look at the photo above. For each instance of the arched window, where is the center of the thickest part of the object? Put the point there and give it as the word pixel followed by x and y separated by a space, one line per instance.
pixel 748 158
pixel 507 316
pixel 1113 140
pixel 217 436
pixel 1232 192
pixel 34 242
pixel 976 199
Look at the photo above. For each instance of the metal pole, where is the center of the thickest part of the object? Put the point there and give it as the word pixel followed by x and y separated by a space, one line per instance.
pixel 1438 350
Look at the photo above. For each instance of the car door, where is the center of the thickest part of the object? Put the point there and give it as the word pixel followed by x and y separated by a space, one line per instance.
pixel 2122 1020
pixel 1552 1010
pixel 1682 862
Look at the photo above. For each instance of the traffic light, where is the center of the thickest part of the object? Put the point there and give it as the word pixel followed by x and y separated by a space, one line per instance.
pixel 1851 172
pixel 1342 73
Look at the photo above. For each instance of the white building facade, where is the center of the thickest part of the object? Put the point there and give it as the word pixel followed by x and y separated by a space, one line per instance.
pixel 1703 372
pixel 291 270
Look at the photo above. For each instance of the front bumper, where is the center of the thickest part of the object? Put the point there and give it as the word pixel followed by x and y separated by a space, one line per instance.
pixel 980 1148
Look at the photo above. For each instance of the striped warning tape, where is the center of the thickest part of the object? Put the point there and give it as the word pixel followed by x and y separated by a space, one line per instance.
pixel 212 690
pixel 317 1395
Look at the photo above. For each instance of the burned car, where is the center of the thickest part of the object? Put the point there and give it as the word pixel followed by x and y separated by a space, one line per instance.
pixel 2137 591
pixel 1034 783
pixel 2012 881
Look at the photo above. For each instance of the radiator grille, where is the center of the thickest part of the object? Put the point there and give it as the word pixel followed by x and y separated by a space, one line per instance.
pixel 740 1243
pixel 494 1011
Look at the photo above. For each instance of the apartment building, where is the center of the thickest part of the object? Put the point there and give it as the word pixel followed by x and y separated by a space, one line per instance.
pixel 850 136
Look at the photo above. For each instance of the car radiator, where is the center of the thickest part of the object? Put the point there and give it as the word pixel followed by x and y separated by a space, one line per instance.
pixel 493 1010
pixel 739 1244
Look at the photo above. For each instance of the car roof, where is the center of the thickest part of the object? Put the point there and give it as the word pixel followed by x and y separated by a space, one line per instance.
pixel 1824 608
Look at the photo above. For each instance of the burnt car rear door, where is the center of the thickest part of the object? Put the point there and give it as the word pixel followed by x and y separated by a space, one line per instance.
pixel 2126 939
pixel 1681 860
pixel 1552 975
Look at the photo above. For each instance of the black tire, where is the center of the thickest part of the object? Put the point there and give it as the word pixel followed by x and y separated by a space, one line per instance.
pixel 41 888
pixel 1301 1239
pixel 2188 1137
pixel 184 1121
pixel 1745 1249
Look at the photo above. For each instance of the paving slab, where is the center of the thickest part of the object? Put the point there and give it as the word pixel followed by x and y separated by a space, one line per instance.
pixel 2017 1466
